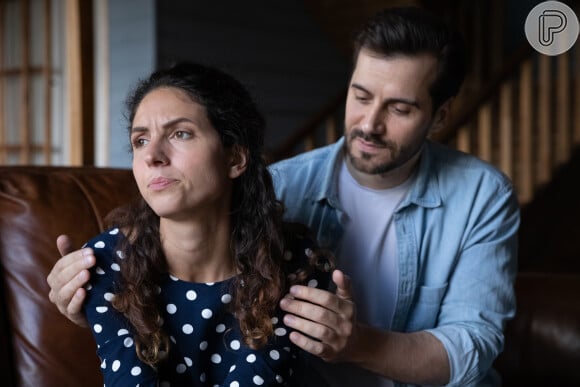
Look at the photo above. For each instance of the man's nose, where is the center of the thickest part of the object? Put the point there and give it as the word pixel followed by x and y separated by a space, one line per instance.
pixel 373 121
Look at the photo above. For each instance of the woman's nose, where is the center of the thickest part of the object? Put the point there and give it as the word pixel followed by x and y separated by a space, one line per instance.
pixel 156 154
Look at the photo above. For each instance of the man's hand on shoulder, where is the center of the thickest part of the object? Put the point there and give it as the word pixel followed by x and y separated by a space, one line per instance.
pixel 324 322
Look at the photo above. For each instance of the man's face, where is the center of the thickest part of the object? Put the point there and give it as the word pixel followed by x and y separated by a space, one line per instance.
pixel 388 111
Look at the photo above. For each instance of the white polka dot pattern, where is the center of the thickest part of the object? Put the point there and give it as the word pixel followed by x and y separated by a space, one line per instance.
pixel 205 342
pixel 171 308
pixel 235 345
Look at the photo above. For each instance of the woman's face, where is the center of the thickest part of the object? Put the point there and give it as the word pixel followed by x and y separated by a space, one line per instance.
pixel 181 168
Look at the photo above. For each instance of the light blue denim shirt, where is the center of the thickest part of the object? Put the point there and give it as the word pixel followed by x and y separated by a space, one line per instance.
pixel 456 241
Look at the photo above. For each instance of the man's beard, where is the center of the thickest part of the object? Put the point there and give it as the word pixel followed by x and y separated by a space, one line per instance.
pixel 399 156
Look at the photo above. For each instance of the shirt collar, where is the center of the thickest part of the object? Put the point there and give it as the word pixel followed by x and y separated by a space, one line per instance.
pixel 424 191
pixel 327 175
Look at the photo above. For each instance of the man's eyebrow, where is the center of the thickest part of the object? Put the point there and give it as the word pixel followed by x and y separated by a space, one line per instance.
pixel 359 87
pixel 402 100
pixel 387 101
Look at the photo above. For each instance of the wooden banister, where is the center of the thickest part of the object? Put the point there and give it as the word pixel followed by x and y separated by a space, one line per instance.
pixel 523 118
pixel 489 89
pixel 288 146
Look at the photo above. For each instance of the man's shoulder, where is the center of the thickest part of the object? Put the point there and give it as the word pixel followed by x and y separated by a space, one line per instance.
pixel 300 170
pixel 455 164
pixel 305 159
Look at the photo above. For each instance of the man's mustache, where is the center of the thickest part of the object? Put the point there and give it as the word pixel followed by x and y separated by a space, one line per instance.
pixel 368 137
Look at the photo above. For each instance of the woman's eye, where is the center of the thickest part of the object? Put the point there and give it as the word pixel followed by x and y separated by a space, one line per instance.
pixel 139 142
pixel 182 135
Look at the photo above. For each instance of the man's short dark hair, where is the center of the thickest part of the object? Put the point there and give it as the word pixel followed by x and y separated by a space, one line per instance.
pixel 413 31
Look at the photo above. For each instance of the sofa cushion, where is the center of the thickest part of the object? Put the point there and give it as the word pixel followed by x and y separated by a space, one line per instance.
pixel 36 205
pixel 542 345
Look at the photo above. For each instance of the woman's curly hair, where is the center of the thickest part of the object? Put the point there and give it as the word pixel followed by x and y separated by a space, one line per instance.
pixel 258 235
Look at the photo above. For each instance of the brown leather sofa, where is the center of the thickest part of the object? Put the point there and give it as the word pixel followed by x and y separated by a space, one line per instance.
pixel 39 347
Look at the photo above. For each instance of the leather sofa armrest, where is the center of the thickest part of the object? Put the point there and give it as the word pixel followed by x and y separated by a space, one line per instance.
pixel 542 345
pixel 40 347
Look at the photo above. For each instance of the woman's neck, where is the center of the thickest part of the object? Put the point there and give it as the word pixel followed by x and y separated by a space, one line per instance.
pixel 198 251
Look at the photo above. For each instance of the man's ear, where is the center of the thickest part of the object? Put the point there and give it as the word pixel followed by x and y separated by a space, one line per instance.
pixel 441 117
pixel 238 161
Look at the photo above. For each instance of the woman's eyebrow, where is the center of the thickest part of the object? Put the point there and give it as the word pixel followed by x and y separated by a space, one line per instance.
pixel 166 125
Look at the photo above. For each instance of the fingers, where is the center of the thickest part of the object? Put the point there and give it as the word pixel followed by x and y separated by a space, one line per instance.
pixel 323 322
pixel 343 285
pixel 68 267
pixel 64 244
pixel 310 312
pixel 75 307
pixel 67 278
pixel 315 347
pixel 323 298
pixel 316 319
pixel 318 338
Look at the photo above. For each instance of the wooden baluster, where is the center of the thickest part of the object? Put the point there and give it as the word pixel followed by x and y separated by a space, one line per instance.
pixel 464 139
pixel 563 143
pixel 544 154
pixel 25 85
pixel 310 142
pixel 506 130
pixel 47 76
pixel 525 186
pixel 3 149
pixel 331 131
pixel 484 132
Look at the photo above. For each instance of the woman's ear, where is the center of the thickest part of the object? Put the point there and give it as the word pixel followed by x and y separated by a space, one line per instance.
pixel 238 161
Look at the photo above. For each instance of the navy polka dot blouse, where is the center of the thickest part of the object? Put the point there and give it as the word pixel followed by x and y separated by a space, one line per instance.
pixel 206 348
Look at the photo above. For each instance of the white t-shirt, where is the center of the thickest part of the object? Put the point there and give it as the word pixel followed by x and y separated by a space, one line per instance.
pixel 368 254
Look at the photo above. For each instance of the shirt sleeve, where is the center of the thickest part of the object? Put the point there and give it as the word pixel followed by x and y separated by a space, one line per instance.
pixel 115 345
pixel 480 297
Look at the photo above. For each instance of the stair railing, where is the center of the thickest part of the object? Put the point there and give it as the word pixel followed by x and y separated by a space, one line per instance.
pixel 526 121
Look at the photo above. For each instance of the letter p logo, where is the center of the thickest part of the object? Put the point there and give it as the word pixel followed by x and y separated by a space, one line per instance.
pixel 552 28
pixel 551 22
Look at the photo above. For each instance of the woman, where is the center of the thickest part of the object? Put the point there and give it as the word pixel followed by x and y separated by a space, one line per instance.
pixel 187 282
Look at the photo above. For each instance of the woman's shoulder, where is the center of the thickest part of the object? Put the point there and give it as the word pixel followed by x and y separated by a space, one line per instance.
pixel 105 245
pixel 112 235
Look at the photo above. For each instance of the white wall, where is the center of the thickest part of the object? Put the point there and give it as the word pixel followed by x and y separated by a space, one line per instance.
pixel 132 48
pixel 273 47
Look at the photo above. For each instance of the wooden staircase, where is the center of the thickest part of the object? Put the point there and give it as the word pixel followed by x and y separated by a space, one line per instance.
pixel 523 117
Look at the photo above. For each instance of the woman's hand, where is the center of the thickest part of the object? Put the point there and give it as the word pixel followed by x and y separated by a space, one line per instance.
pixel 68 278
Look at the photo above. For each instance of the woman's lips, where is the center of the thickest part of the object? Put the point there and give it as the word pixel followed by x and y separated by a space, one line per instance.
pixel 160 183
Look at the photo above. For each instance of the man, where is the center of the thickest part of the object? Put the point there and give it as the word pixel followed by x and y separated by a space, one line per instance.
pixel 426 235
